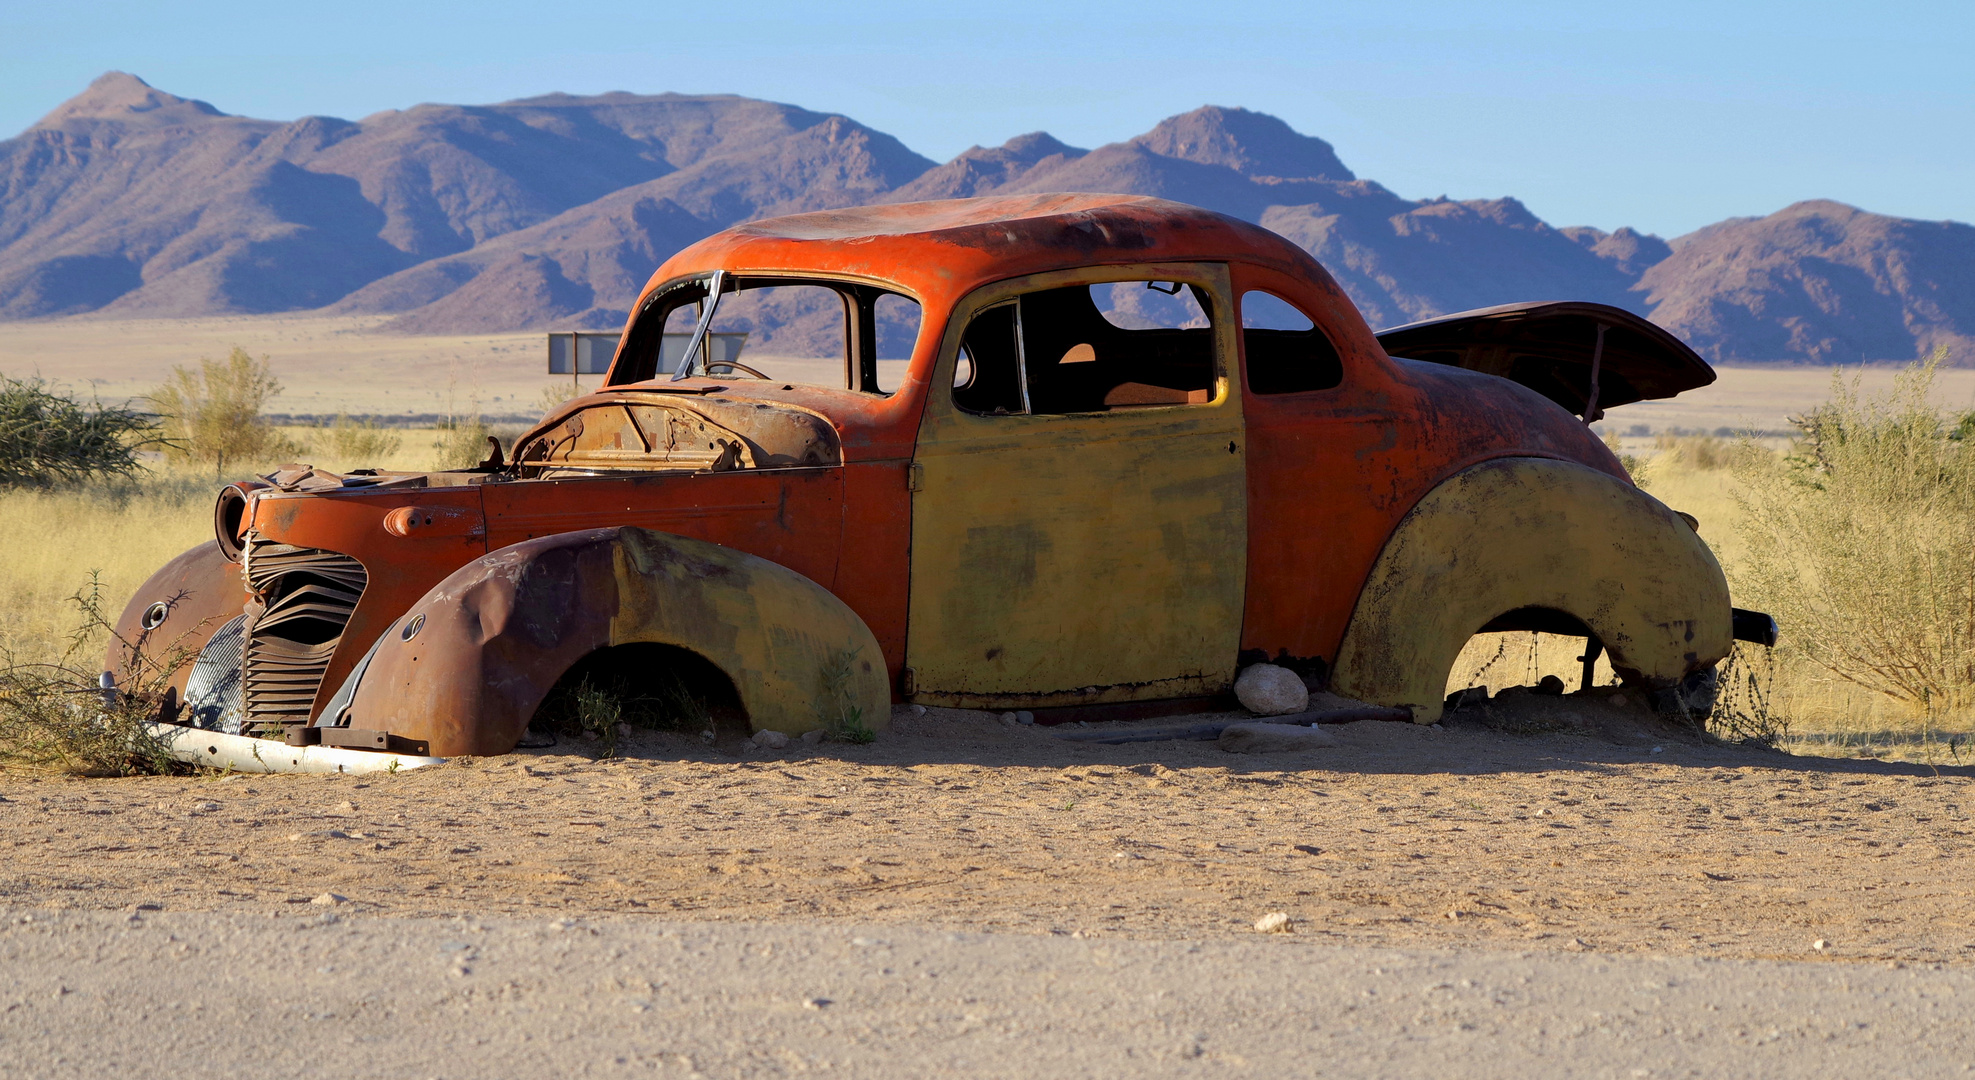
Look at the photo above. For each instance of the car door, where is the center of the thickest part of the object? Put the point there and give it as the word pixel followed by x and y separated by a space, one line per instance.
pixel 1079 504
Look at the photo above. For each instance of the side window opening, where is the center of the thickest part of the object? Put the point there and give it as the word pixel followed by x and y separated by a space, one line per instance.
pixel 1089 348
pixel 1287 352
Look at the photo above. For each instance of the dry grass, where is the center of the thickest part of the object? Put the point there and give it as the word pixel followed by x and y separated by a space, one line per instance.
pixel 124 530
pixel 1713 478
pixel 55 715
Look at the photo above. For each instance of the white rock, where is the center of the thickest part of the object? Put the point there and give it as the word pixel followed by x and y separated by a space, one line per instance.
pixel 1274 738
pixel 1268 690
pixel 811 738
pixel 328 899
pixel 1010 719
pixel 1275 922
pixel 918 710
pixel 1025 717
pixel 770 739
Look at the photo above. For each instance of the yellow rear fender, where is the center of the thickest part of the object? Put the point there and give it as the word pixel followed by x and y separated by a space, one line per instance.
pixel 1533 533
pixel 464 670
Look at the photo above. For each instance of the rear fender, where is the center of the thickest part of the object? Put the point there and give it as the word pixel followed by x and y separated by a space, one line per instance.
pixel 1533 533
pixel 466 667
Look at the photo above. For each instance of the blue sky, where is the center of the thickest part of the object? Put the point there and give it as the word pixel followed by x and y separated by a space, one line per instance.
pixel 1664 116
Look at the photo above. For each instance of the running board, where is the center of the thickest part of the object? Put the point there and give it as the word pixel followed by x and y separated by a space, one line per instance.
pixel 218 750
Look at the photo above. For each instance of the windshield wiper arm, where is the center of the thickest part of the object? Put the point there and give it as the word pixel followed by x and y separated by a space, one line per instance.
pixel 691 359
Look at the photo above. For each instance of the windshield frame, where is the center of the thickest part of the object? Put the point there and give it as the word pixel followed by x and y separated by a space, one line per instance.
pixel 637 358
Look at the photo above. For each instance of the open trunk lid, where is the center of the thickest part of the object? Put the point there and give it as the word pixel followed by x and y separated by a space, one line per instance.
pixel 1553 348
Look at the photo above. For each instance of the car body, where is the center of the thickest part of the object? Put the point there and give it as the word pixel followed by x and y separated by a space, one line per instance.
pixel 1057 506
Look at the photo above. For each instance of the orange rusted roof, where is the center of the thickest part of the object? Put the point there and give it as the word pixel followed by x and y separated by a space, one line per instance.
pixel 949 246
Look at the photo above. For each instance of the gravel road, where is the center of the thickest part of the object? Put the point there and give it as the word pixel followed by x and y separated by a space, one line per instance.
pixel 210 994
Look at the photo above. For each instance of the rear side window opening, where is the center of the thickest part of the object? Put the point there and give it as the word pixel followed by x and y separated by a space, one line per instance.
pixel 794 331
pixel 1287 352
pixel 1088 348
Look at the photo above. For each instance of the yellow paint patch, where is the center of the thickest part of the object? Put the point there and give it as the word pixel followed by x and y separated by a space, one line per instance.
pixel 1532 532
pixel 798 656
pixel 1082 557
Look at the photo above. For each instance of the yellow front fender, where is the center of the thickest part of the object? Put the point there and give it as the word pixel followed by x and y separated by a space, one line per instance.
pixel 1532 533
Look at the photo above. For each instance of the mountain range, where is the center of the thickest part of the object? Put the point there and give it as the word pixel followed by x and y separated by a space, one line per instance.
pixel 552 211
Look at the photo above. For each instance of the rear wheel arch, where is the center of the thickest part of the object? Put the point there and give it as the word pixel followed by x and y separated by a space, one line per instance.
pixel 1514 535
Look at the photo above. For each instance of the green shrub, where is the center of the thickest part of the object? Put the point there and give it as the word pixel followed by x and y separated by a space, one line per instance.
pixel 214 414
pixel 461 444
pixel 350 444
pixel 46 437
pixel 1862 542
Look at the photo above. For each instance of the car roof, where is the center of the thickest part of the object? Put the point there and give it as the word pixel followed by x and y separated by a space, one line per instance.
pixel 952 245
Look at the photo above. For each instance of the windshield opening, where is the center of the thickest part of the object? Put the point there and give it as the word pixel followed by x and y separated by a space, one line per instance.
pixel 795 331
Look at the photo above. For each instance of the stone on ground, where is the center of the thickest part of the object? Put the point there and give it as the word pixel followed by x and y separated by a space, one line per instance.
pixel 1268 690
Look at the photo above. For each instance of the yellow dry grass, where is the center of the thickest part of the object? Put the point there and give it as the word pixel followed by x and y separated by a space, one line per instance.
pixel 53 539
pixel 1824 714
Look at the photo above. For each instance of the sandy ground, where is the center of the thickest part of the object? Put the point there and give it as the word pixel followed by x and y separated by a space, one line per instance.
pixel 1556 887
pixel 1612 834
pixel 326 365
pixel 336 995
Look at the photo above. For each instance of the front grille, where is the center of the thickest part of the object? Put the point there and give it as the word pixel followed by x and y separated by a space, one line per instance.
pixel 304 599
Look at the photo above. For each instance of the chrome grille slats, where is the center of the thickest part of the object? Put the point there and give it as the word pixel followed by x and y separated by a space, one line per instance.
pixel 304 597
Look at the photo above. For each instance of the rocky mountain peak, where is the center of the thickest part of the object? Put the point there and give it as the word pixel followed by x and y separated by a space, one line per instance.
pixel 121 96
pixel 1251 143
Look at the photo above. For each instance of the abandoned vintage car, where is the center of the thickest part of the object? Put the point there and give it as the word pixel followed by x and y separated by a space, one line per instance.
pixel 1046 452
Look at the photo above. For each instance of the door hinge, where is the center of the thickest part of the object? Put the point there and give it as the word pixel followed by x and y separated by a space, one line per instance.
pixel 907 684
pixel 915 477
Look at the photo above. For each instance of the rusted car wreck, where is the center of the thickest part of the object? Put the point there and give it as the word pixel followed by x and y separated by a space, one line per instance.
pixel 1041 452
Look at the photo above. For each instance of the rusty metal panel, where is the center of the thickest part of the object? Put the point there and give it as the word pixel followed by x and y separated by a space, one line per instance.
pixel 790 516
pixel 1081 557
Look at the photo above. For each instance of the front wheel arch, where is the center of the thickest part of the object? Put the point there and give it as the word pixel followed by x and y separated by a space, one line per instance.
pixel 467 666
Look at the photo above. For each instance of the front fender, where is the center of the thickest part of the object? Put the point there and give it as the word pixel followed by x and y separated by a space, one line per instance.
pixel 200 591
pixel 466 667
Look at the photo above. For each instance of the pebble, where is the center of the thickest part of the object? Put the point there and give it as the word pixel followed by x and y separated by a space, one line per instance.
pixel 1268 690
pixel 1275 922
pixel 328 899
pixel 1025 717
pixel 918 710
pixel 812 738
pixel 1820 944
pixel 1010 719
pixel 205 807
pixel 816 1003
pixel 770 739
